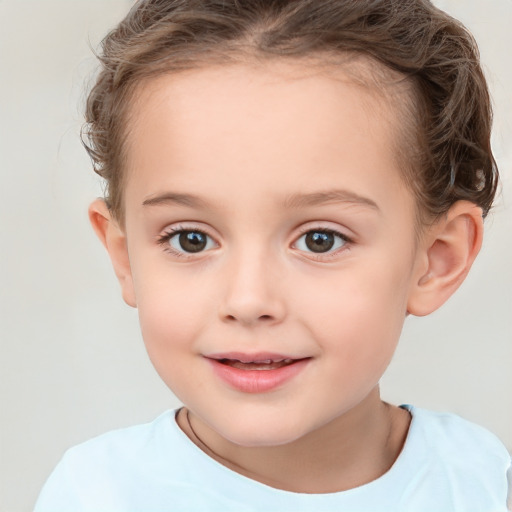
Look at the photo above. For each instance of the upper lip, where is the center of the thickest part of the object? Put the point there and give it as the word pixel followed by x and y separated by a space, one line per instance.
pixel 257 357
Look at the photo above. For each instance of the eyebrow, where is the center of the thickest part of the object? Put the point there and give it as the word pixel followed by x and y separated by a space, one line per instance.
pixel 329 196
pixel 294 201
pixel 189 200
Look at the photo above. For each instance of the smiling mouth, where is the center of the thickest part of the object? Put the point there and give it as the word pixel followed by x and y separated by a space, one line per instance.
pixel 267 364
pixel 256 373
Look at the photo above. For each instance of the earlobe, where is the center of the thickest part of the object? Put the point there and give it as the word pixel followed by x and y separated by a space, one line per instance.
pixel 114 239
pixel 449 249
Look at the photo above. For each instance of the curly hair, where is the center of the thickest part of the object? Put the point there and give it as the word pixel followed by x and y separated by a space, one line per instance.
pixel 446 137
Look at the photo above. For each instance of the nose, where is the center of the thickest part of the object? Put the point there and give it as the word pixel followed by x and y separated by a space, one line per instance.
pixel 252 291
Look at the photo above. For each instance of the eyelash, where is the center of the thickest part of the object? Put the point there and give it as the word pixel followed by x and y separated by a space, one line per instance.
pixel 172 232
pixel 347 242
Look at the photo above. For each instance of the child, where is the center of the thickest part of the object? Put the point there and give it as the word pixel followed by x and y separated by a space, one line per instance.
pixel 286 182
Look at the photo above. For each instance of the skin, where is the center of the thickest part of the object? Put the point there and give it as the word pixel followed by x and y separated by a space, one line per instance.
pixel 244 141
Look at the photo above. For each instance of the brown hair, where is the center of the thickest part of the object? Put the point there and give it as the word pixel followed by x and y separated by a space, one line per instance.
pixel 450 155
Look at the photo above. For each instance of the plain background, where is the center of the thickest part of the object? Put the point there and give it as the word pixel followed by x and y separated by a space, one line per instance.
pixel 73 363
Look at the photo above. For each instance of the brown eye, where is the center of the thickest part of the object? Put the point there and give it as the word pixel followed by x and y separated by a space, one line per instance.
pixel 190 241
pixel 318 241
pixel 321 241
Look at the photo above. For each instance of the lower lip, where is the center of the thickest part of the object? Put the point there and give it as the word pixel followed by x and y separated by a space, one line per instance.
pixel 257 381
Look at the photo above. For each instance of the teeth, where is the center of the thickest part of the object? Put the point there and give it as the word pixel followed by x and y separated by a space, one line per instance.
pixel 270 361
pixel 259 361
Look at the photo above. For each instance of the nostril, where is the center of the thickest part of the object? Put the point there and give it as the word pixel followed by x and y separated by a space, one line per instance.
pixel 233 318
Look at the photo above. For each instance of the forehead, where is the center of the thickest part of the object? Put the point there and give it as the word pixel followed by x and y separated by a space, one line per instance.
pixel 226 86
pixel 254 126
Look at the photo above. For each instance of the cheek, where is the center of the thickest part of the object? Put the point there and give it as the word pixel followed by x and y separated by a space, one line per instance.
pixel 172 315
pixel 358 313
pixel 167 315
pixel 170 324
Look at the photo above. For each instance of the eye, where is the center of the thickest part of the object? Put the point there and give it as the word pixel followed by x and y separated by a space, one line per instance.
pixel 187 241
pixel 321 241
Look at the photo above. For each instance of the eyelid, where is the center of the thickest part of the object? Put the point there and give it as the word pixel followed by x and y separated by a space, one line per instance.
pixel 331 227
pixel 326 228
pixel 176 227
pixel 173 230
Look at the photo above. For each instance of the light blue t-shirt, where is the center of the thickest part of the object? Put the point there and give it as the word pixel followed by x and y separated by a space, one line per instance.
pixel 447 465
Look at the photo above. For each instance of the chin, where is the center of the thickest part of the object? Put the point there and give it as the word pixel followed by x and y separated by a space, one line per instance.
pixel 260 434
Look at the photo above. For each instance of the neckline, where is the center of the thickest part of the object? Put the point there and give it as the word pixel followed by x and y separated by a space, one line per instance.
pixel 403 465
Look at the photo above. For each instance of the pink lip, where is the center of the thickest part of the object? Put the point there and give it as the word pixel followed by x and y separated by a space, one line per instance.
pixel 244 357
pixel 255 381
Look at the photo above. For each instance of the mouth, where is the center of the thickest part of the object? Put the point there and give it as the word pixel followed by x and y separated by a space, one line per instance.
pixel 256 373
pixel 265 365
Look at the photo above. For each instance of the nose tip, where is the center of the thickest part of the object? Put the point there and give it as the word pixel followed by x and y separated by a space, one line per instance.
pixel 252 296
pixel 252 310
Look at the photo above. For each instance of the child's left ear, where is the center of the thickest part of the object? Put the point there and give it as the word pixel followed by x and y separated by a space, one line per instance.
pixel 446 253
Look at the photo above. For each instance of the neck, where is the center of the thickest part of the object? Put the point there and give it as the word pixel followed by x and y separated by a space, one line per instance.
pixel 350 451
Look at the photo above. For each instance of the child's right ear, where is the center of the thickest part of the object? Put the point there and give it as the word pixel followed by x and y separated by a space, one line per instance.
pixel 114 239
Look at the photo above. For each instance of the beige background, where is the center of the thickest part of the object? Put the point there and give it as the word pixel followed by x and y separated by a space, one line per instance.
pixel 72 363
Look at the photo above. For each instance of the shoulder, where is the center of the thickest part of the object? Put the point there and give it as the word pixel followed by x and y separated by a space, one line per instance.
pixel 449 434
pixel 460 460
pixel 133 438
pixel 109 467
pixel 122 446
pixel 153 467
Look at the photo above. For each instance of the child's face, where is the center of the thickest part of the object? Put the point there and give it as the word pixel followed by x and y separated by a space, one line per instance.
pixel 305 247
